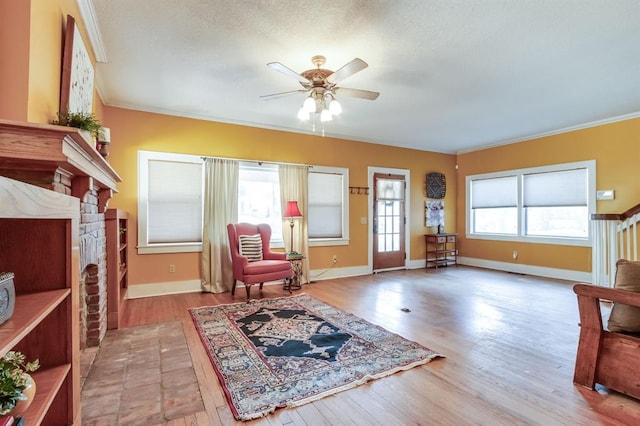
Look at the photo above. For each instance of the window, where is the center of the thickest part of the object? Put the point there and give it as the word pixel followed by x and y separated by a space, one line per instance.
pixel 259 202
pixel 556 204
pixel 548 204
pixel 328 206
pixel 169 202
pixel 494 205
pixel 259 198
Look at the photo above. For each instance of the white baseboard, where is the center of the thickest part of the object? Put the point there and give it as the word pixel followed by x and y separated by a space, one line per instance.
pixel 174 287
pixel 416 264
pixel 162 289
pixel 541 271
pixel 193 286
pixel 331 273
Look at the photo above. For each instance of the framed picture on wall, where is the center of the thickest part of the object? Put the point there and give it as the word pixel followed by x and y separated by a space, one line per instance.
pixel 76 91
pixel 434 212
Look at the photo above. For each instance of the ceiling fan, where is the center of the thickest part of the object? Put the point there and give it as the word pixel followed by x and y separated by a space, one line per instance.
pixel 321 86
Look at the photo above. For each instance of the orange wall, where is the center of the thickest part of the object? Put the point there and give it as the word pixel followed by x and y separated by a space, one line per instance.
pixel 14 59
pixel 615 147
pixel 132 131
pixel 31 45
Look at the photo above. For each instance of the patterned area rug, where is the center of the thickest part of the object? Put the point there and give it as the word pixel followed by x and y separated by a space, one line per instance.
pixel 288 351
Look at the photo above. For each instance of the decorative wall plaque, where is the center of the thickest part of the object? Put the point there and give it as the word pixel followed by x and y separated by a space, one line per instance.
pixel 436 185
pixel 76 93
pixel 7 296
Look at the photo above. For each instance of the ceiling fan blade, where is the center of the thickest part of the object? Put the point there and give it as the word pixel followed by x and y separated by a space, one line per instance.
pixel 357 93
pixel 347 70
pixel 287 71
pixel 281 94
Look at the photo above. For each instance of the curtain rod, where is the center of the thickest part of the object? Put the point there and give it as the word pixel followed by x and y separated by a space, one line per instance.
pixel 260 162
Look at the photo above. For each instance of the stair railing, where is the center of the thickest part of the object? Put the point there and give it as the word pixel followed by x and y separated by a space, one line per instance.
pixel 615 236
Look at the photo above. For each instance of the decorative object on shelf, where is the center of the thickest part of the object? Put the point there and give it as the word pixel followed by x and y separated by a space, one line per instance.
pixel 436 185
pixel 292 211
pixel 359 190
pixel 104 140
pixel 81 120
pixel 17 388
pixel 7 296
pixel 76 92
pixel 434 212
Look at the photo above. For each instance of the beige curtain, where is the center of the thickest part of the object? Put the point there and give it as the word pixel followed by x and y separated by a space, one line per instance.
pixel 293 187
pixel 220 209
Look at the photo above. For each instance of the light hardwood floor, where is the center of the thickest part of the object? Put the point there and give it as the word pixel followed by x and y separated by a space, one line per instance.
pixel 509 340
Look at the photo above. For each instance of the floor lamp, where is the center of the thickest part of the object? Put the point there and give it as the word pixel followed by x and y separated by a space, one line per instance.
pixel 292 211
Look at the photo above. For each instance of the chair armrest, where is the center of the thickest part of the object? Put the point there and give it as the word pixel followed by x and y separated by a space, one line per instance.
pixel 273 255
pixel 615 295
pixel 238 262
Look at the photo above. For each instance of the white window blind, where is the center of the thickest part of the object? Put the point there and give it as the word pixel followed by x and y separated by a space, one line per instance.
pixel 494 192
pixel 325 199
pixel 175 202
pixel 561 188
pixel 170 197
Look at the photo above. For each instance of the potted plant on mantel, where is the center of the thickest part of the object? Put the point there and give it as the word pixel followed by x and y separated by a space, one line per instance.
pixel 17 388
pixel 81 120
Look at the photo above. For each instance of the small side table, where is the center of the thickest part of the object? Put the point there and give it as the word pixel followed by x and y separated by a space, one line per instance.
pixel 295 282
pixel 441 250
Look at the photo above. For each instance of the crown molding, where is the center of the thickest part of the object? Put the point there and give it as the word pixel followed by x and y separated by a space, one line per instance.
pixel 91 24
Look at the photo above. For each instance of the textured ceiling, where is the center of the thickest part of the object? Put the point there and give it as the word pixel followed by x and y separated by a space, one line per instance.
pixel 453 75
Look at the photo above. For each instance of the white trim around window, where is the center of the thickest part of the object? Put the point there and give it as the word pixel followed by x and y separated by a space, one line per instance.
pixel 500 200
pixel 172 175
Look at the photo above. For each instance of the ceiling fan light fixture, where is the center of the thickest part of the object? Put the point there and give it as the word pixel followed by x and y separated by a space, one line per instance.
pixel 303 114
pixel 334 107
pixel 321 86
pixel 309 104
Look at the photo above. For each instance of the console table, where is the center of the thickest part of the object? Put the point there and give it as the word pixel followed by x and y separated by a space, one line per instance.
pixel 441 250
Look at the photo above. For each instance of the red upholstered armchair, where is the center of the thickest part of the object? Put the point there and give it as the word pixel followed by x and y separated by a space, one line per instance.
pixel 252 259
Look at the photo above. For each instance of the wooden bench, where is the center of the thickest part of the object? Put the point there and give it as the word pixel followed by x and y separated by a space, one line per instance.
pixel 605 357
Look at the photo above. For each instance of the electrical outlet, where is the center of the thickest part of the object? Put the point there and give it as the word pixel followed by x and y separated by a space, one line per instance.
pixel 335 259
pixel 172 268
pixel 515 254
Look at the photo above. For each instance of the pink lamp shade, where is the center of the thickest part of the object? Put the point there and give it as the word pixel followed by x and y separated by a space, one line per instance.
pixel 292 210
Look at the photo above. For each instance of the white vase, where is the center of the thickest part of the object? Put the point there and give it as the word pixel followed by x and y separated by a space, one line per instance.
pixel 29 392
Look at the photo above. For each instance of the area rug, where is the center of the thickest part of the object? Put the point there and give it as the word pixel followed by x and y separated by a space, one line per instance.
pixel 288 351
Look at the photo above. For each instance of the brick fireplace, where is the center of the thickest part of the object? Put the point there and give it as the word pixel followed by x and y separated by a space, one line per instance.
pixel 61 159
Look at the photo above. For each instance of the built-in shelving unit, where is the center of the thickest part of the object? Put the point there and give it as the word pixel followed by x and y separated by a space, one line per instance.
pixel 117 229
pixel 39 244
pixel 441 250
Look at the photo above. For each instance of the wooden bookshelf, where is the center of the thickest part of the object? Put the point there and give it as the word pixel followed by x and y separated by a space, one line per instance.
pixel 117 230
pixel 39 244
